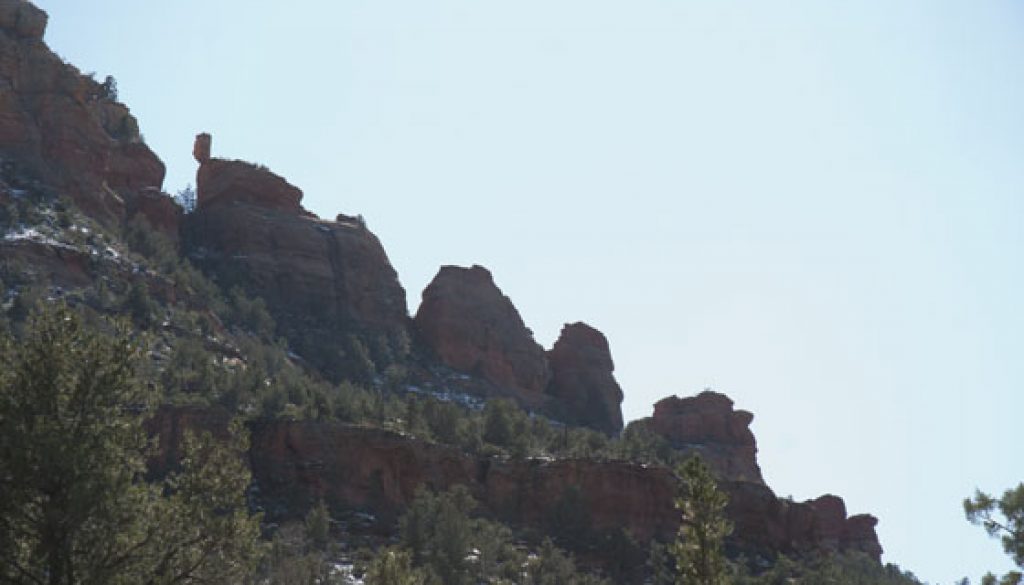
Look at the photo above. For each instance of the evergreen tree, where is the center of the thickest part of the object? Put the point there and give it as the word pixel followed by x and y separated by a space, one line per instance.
pixel 1003 518
pixel 393 567
pixel 75 508
pixel 703 528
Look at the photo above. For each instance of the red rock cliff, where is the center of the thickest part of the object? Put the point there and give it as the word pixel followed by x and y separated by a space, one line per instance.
pixel 321 279
pixel 295 463
pixel 64 126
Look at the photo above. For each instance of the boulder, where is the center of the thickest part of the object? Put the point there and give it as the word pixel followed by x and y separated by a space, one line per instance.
pixel 582 379
pixel 473 327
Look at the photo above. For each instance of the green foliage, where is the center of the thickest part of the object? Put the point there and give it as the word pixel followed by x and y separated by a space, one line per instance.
pixel 436 530
pixel 703 527
pixel 294 560
pixel 250 314
pixel 830 569
pixel 393 567
pixel 569 519
pixel 318 526
pixel 140 307
pixel 452 548
pixel 1002 518
pixel 506 426
pixel 72 458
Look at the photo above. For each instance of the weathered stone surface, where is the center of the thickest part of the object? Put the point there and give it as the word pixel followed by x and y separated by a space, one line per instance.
pixel 708 424
pixel 582 379
pixel 330 271
pixel 59 124
pixel 222 181
pixel 472 327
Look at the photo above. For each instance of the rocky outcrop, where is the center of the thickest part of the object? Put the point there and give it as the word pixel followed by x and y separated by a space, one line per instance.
pixel 222 181
pixel 321 279
pixel 296 463
pixel 64 126
pixel 582 379
pixel 708 425
pixel 473 327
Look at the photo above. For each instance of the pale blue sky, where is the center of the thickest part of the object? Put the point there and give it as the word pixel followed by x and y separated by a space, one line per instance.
pixel 815 207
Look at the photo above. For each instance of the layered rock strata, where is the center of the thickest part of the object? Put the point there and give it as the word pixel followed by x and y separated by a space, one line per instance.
pixel 65 126
pixel 296 463
pixel 321 279
pixel 708 425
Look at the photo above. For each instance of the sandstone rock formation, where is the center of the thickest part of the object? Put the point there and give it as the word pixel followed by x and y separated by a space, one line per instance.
pixel 582 379
pixel 471 326
pixel 707 424
pixel 62 125
pixel 235 181
pixel 296 463
pixel 321 279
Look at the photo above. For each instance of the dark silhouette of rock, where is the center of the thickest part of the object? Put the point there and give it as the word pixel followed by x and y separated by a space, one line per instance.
pixel 582 379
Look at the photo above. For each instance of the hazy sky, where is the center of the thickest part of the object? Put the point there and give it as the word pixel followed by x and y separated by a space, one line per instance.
pixel 815 207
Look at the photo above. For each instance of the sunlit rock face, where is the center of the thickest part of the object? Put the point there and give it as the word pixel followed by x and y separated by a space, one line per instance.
pixel 65 127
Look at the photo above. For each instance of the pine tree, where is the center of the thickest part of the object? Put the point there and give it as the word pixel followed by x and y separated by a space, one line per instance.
pixel 703 528
pixel 1003 518
pixel 75 508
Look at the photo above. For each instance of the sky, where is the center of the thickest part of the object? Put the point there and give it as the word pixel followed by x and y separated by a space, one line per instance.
pixel 814 207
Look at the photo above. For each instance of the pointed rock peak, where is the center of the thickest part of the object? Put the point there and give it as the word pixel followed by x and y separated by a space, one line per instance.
pixel 473 327
pixel 582 379
pixel 22 19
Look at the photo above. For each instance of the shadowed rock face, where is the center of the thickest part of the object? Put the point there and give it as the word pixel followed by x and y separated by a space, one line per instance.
pixel 63 126
pixel 471 326
pixel 707 424
pixel 321 279
pixel 582 379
